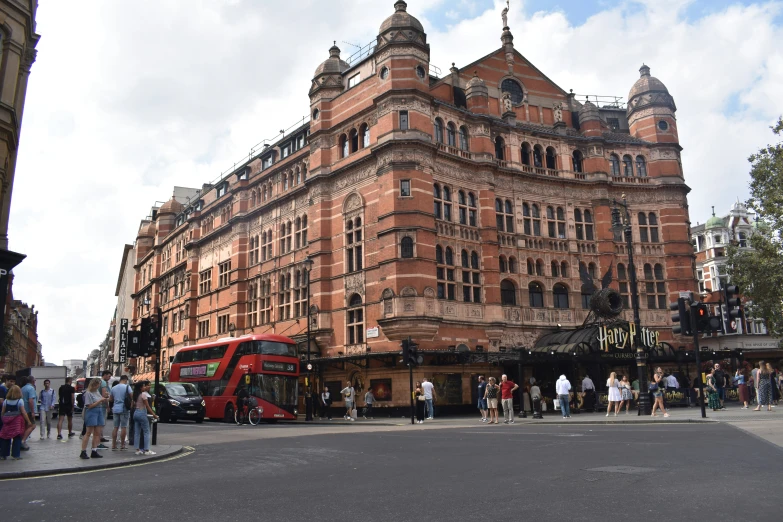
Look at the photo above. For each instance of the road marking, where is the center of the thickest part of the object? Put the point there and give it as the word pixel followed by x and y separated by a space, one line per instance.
pixel 188 450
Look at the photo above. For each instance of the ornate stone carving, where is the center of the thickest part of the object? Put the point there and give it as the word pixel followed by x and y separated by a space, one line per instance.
pixel 403 104
pixel 352 202
pixel 354 284
pixel 401 51
pixel 429 292
pixel 388 293
pixel 520 339
pixel 352 178
pixel 478 130
pixel 408 291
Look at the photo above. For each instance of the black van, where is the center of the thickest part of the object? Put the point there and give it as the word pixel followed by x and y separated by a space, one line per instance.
pixel 179 400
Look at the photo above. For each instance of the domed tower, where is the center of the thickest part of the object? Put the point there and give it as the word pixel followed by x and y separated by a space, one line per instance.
pixel 590 119
pixel 145 239
pixel 477 95
pixel 402 50
pixel 167 215
pixel 651 110
pixel 327 82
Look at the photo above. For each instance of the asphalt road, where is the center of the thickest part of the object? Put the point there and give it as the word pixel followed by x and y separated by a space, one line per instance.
pixel 647 472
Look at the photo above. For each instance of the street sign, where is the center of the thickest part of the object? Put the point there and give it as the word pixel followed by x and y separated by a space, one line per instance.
pixel 372 332
pixel 123 349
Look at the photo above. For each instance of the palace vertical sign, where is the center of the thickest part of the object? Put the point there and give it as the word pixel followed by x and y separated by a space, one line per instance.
pixel 123 341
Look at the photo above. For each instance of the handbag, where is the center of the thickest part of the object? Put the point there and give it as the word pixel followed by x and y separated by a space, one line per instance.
pixel 556 403
pixel 127 400
pixel 653 387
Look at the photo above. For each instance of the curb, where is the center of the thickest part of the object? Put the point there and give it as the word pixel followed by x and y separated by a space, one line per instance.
pixel 60 471
pixel 612 423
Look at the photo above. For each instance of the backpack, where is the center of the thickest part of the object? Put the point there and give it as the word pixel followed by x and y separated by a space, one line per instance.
pixel 127 402
pixel 80 400
pixel 720 379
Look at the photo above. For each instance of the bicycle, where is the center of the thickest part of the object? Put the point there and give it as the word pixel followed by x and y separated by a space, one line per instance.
pixel 252 413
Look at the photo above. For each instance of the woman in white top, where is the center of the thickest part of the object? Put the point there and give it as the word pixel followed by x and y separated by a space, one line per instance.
pixel 615 397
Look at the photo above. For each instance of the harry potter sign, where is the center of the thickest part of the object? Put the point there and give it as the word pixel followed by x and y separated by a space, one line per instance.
pixel 620 337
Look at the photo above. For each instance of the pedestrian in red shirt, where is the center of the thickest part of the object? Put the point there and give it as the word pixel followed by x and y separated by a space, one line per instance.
pixel 507 389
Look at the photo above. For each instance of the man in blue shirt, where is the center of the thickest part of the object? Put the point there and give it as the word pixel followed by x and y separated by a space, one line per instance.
pixel 29 397
pixel 120 413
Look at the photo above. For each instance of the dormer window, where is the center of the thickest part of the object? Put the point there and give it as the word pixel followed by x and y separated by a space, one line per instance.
pixel 268 161
pixel 221 190
pixel 354 80
pixel 300 141
pixel 199 205
pixel 242 174
pixel 285 150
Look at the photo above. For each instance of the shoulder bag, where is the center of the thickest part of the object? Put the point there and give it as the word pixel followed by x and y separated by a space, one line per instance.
pixel 127 400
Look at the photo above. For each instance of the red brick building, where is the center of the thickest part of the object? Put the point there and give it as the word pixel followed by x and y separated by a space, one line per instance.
pixel 453 209
pixel 20 347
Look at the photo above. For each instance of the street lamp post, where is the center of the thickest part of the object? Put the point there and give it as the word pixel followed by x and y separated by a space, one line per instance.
pixel 622 223
pixel 309 393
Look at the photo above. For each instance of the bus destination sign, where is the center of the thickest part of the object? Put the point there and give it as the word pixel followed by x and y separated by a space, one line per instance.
pixel 273 366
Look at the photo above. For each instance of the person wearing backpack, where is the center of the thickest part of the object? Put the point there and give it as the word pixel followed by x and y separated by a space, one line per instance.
pixel 121 397
pixel 720 384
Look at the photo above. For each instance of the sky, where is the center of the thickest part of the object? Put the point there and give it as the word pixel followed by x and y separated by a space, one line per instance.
pixel 129 98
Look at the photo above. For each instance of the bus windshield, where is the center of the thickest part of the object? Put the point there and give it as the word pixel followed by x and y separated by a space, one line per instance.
pixel 274 348
pixel 277 389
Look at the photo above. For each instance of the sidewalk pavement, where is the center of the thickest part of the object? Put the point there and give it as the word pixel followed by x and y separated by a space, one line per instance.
pixel 52 457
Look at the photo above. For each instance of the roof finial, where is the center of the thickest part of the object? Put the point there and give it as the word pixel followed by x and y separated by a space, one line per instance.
pixel 713 210
pixel 504 15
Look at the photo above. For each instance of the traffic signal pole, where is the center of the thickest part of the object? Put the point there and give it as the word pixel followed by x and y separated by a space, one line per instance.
pixel 413 407
pixel 157 374
pixel 692 312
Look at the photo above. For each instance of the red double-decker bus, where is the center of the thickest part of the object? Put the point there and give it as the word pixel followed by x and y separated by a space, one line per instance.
pixel 267 365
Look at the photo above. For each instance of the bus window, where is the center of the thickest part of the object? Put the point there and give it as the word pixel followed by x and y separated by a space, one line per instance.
pixel 275 348
pixel 277 389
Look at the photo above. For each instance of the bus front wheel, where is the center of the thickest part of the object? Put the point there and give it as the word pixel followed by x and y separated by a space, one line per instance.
pixel 228 416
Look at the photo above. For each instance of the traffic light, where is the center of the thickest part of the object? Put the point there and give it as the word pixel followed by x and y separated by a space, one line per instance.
pixel 682 318
pixel 733 307
pixel 134 344
pixel 150 337
pixel 410 353
pixel 705 323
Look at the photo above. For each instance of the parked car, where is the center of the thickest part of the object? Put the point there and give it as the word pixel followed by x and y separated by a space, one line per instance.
pixel 179 400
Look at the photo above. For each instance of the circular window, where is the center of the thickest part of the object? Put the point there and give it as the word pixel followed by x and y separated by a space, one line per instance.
pixel 420 72
pixel 316 113
pixel 384 73
pixel 514 89
pixel 663 125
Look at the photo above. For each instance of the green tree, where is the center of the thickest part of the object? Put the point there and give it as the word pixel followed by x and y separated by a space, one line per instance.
pixel 759 272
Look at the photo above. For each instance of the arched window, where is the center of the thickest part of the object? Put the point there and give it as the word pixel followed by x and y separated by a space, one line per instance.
pixel 512 265
pixel 504 215
pixel 530 268
pixel 449 256
pixel 508 293
pixel 445 274
pixel 355 321
pixel 586 294
pixel 560 294
pixel 438 130
pixel 655 287
pixel 343 146
pixel 500 147
pixel 576 157
pixel 551 162
pixel 536 295
pixel 364 130
pixel 584 224
pixel 465 259
pixel 555 269
pixel 593 271
pixel 614 165
pixel 539 267
pixel 263 193
pixel 439 254
pixel 463 139
pixel 474 260
pixel 285 182
pixel 471 278
pixel 627 166
pixel 642 218
pixel 648 271
pixel 503 264
pixel 526 150
pixel 462 205
pixel 538 156
pixel 563 269
pixel 451 135
pixel 354 140
pixel 641 167
pixel 514 89
pixel 354 245
pixel 406 247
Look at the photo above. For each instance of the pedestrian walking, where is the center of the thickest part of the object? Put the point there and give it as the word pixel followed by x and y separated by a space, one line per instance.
pixel 588 393
pixel 713 397
pixel 656 387
pixel 369 400
pixel 625 394
pixel 121 397
pixel 326 401
pixel 15 421
pixel 615 396
pixel 93 418
pixel 482 402
pixel 773 380
pixel 30 398
pixel 350 400
pixel 45 411
pixel 3 393
pixel 418 399
pixel 720 384
pixel 141 397
pixel 429 397
pixel 491 394
pixel 754 376
pixel 563 389
pixel 742 388
pixel 507 389
pixel 535 398
pixel 104 390
pixel 65 407
pixel 764 388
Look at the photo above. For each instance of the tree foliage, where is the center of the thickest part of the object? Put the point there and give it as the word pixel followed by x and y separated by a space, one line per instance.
pixel 759 272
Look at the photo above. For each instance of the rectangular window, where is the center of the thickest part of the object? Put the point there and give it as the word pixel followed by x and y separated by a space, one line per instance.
pixel 205 281
pixel 353 80
pixel 286 150
pixel 252 303
pixel 267 162
pixel 203 328
pixel 165 325
pixel 404 120
pixel 405 187
pixel 253 251
pixel 222 189
pixel 224 273
pixel 265 301
pixel 222 324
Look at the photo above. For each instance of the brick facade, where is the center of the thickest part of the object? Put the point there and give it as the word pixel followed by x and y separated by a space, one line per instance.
pixel 362 190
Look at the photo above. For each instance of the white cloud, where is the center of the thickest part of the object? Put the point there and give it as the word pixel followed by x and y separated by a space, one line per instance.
pixel 128 99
